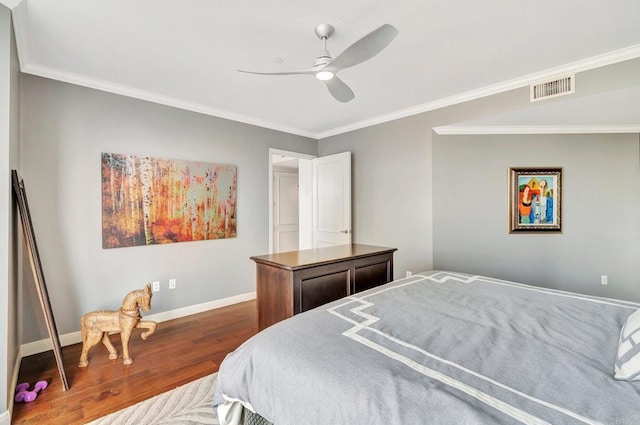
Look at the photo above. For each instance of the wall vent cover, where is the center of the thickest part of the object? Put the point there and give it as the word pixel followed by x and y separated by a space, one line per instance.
pixel 557 86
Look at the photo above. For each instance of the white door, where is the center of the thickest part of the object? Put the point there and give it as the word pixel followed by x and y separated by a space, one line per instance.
pixel 285 213
pixel 331 216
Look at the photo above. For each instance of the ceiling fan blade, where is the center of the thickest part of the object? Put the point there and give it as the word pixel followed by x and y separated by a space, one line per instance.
pixel 304 72
pixel 365 48
pixel 339 89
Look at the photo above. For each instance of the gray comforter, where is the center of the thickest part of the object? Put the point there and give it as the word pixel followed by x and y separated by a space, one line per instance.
pixel 438 348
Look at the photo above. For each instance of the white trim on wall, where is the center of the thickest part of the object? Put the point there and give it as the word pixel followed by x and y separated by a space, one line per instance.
pixel 29 67
pixel 19 18
pixel 5 418
pixel 609 58
pixel 14 380
pixel 75 337
pixel 110 87
pixel 10 4
pixel 450 130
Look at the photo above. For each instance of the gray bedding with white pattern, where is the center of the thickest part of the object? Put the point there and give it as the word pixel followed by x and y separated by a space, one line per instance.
pixel 438 348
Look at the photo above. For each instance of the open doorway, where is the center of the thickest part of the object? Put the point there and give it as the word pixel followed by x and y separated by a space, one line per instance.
pixel 284 199
pixel 321 187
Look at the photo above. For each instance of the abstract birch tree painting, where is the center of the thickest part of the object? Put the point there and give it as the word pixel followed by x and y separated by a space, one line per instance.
pixel 148 201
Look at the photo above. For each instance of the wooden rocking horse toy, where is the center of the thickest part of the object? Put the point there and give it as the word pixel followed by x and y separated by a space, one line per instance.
pixel 97 325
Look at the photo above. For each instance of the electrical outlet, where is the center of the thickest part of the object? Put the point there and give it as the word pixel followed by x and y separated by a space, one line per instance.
pixel 172 284
pixel 604 279
pixel 409 274
pixel 156 286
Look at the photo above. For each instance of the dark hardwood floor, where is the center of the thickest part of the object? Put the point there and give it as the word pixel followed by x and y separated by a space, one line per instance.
pixel 180 351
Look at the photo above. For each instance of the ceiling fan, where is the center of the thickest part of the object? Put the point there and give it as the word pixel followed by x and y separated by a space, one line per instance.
pixel 326 68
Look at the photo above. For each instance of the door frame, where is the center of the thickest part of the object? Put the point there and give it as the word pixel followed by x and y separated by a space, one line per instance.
pixel 272 152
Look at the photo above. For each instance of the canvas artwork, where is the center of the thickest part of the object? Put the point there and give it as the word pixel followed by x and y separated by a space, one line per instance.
pixel 148 201
pixel 535 199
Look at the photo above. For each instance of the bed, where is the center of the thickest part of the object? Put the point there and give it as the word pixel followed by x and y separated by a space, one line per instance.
pixel 441 348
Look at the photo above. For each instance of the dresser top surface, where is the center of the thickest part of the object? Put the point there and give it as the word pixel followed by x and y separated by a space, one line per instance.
pixel 329 254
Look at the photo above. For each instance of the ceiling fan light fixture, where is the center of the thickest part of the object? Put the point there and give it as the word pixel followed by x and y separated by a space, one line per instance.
pixel 324 75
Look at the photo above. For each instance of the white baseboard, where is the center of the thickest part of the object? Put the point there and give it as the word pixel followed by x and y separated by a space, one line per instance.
pixel 5 418
pixel 75 337
pixel 199 308
pixel 43 345
pixel 13 383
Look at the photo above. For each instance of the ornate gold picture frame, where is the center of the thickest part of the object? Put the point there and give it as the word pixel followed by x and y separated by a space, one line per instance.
pixel 535 200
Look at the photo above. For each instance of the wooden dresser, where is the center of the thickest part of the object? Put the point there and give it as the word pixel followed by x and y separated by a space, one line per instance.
pixel 289 283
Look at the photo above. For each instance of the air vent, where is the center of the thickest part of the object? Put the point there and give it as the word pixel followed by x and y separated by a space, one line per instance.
pixel 558 86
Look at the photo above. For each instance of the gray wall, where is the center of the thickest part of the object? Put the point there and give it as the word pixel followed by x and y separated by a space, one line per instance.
pixel 9 148
pixel 391 188
pixel 397 198
pixel 64 130
pixel 411 186
pixel 600 205
pixel 392 182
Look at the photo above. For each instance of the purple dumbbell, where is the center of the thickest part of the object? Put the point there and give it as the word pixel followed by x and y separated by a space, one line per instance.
pixel 23 395
pixel 21 389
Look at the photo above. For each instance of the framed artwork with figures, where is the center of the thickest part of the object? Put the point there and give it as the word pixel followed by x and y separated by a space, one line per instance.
pixel 535 200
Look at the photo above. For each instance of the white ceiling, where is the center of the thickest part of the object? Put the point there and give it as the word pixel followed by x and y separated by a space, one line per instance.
pixel 186 53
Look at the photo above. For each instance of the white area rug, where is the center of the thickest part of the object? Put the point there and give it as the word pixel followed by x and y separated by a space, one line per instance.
pixel 189 404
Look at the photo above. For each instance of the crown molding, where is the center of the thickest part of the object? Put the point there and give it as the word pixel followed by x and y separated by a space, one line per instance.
pixel 616 56
pixel 94 83
pixel 21 29
pixel 10 4
pixel 451 130
pixel 19 17
pixel 609 58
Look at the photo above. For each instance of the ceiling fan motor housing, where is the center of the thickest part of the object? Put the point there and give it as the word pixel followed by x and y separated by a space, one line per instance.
pixel 322 60
pixel 324 30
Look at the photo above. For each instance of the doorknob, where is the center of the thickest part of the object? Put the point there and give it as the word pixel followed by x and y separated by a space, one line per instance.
pixel 345 231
